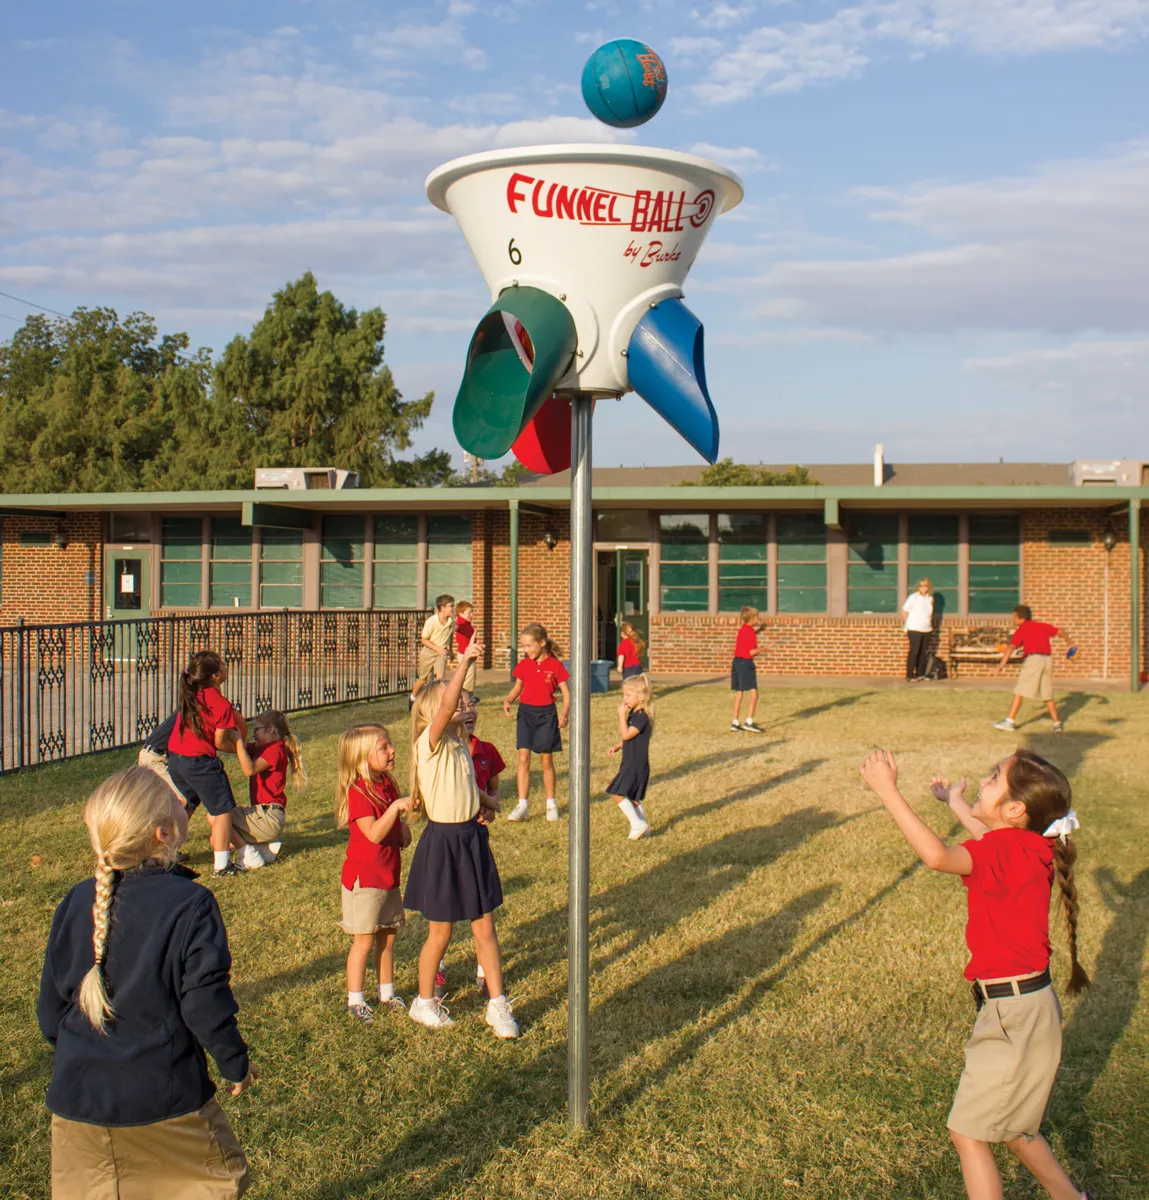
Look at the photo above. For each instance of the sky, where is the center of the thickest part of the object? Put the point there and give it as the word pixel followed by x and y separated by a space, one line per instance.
pixel 943 246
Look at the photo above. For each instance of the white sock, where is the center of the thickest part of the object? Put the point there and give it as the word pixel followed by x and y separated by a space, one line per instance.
pixel 641 810
pixel 387 991
pixel 496 999
pixel 552 802
pixel 355 998
pixel 627 809
pixel 222 858
pixel 443 965
pixel 275 847
pixel 524 801
pixel 479 972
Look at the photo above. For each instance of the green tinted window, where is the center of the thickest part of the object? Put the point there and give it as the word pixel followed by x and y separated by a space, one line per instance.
pixel 230 568
pixel 685 570
pixel 395 576
pixel 994 564
pixel 742 570
pixel 181 562
pixel 933 553
pixel 341 562
pixel 281 568
pixel 801 563
pixel 449 557
pixel 872 573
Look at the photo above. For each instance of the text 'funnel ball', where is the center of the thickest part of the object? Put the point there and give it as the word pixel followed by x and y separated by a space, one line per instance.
pixel 667 370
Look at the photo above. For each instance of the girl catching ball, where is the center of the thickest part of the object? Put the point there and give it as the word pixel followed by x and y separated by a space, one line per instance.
pixel 1020 828
pixel 453 874
pixel 635 725
pixel 538 675
pixel 368 806
pixel 135 988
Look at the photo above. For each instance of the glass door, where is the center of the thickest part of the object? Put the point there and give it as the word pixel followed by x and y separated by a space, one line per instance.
pixel 127 594
pixel 623 595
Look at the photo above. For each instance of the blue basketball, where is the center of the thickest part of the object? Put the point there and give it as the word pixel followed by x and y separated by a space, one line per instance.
pixel 624 83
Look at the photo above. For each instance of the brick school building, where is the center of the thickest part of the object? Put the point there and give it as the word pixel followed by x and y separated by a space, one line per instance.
pixel 828 565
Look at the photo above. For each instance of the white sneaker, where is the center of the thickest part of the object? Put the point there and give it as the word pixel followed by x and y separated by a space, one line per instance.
pixel 750 727
pixel 519 812
pixel 432 1013
pixel 638 831
pixel 1006 726
pixel 250 859
pixel 395 1003
pixel 552 811
pixel 501 1018
pixel 736 726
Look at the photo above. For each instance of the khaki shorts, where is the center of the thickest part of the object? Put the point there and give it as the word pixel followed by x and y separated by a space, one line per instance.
pixel 471 677
pixel 1011 1059
pixel 430 665
pixel 367 910
pixel 1035 682
pixel 159 764
pixel 196 1155
pixel 258 824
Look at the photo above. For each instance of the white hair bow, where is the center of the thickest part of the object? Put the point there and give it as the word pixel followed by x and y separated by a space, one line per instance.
pixel 1063 826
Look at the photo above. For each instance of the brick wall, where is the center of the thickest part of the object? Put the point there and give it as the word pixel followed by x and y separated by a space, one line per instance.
pixel 47 583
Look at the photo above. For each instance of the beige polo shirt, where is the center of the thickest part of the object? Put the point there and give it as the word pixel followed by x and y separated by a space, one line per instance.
pixel 435 631
pixel 446 780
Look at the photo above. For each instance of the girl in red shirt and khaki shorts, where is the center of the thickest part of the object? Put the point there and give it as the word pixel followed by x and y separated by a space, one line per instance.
pixel 1020 825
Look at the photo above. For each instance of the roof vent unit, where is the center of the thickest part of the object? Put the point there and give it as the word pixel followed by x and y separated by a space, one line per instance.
pixel 301 479
pixel 1112 472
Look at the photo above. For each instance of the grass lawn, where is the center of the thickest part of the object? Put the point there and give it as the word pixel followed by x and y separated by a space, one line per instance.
pixel 777 1007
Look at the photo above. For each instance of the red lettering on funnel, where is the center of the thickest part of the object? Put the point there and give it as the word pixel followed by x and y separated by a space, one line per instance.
pixel 640 212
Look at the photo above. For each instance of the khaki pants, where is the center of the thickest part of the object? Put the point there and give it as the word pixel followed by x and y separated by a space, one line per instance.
pixel 196 1157
pixel 258 824
pixel 430 665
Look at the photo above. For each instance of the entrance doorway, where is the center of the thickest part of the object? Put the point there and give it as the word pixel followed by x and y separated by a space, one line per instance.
pixel 622 588
pixel 127 594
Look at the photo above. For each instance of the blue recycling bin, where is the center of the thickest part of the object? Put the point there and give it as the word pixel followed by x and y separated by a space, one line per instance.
pixel 599 673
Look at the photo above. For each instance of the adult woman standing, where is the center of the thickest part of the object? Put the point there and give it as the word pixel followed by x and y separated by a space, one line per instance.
pixel 919 610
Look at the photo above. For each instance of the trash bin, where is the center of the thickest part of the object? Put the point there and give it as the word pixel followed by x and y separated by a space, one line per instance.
pixel 599 673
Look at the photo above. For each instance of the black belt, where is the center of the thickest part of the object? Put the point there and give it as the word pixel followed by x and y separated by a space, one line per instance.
pixel 998 991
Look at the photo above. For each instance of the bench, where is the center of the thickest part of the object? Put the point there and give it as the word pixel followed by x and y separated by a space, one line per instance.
pixel 985 644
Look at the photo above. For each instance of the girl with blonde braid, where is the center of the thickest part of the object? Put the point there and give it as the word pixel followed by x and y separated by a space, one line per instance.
pixel 1019 845
pixel 135 988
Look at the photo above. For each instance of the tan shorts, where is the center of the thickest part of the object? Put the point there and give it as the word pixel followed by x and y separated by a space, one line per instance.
pixel 471 677
pixel 1035 682
pixel 197 1155
pixel 258 824
pixel 430 665
pixel 367 910
pixel 159 764
pixel 1011 1059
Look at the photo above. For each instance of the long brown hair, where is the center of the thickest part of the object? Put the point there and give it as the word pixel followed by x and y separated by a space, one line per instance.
pixel 277 721
pixel 122 816
pixel 201 670
pixel 636 639
pixel 1047 796
pixel 538 633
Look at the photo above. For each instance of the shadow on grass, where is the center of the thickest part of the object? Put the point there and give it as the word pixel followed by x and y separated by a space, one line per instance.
pixel 1102 1013
pixel 1066 750
pixel 816 710
pixel 749 746
pixel 750 792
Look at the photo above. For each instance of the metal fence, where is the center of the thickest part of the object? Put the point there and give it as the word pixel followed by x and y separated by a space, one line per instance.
pixel 86 686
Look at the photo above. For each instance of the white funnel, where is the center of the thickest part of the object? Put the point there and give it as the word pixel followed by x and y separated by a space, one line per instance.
pixel 608 230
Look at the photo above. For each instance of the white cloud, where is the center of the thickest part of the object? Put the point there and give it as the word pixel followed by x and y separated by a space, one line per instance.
pixel 793 55
pixel 745 159
pixel 721 16
pixel 1065 249
pixel 1103 378
pixel 792 337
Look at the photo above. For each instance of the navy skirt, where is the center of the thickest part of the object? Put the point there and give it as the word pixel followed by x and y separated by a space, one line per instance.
pixel 538 729
pixel 631 782
pixel 203 780
pixel 627 672
pixel 453 876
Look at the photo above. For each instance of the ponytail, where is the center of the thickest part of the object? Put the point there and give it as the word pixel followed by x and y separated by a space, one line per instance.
pixel 1064 856
pixel 94 1001
pixel 291 744
pixel 538 633
pixel 636 638
pixel 202 668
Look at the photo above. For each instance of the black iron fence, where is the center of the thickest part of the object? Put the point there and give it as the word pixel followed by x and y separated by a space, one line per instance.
pixel 98 685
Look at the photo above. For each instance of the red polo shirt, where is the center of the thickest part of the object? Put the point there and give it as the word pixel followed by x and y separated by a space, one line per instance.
pixel 746 641
pixel 541 678
pixel 374 865
pixel 1008 892
pixel 216 712
pixel 1033 637
pixel 628 654
pixel 488 763
pixel 464 631
pixel 269 787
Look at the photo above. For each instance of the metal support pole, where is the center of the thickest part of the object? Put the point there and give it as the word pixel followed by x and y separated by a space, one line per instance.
pixel 514 516
pixel 1135 595
pixel 578 987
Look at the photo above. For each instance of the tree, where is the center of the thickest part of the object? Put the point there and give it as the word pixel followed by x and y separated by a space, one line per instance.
pixel 727 473
pixel 310 388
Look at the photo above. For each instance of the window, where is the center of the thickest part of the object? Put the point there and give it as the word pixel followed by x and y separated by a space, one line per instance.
pixel 131 527
pixel 448 557
pixel 934 555
pixel 801 563
pixel 230 563
pixel 742 569
pixel 181 563
pixel 35 537
pixel 685 563
pixel 281 568
pixel 994 564
pixel 341 562
pixel 623 526
pixel 872 573
pixel 396 566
